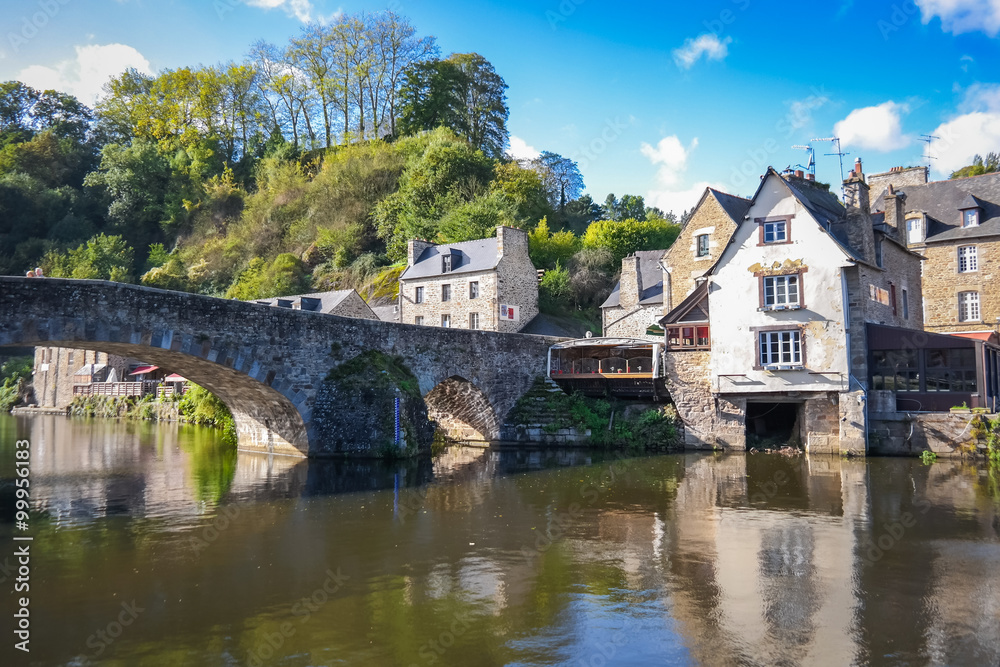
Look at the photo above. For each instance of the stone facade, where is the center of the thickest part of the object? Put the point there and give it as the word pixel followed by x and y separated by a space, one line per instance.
pixel 943 283
pixel 53 377
pixel 637 300
pixel 683 263
pixel 710 421
pixel 898 177
pixel 273 366
pixel 501 271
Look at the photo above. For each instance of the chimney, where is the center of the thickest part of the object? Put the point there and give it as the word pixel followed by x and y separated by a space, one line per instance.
pixel 798 173
pixel 810 177
pixel 630 285
pixel 857 168
pixel 856 190
pixel 415 248
pixel 510 240
pixel 895 213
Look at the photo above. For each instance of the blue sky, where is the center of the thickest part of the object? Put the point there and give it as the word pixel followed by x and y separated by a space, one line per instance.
pixel 657 99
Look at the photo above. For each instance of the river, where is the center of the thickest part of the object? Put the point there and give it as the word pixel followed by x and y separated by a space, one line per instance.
pixel 154 544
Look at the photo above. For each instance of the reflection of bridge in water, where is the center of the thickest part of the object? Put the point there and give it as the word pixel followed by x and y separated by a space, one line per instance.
pixel 272 367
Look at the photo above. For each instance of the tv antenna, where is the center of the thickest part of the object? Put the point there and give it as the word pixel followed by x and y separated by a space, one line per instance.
pixel 839 153
pixel 927 139
pixel 811 164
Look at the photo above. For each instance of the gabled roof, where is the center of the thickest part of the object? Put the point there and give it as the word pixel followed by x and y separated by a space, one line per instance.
pixel 735 207
pixel 943 200
pixel 693 302
pixel 466 257
pixel 652 280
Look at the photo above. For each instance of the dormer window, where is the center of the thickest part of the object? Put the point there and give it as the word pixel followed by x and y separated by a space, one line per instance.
pixel 445 263
pixel 970 209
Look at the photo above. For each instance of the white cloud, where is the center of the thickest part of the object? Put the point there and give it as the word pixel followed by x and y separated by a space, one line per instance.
pixel 875 128
pixel 672 157
pixel 958 16
pixel 300 9
pixel 520 150
pixel 85 75
pixel 800 111
pixel 976 130
pixel 707 45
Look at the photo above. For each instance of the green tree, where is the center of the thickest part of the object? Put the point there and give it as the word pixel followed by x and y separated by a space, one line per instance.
pixel 102 257
pixel 624 237
pixel 979 166
pixel 547 249
pixel 555 291
pixel 285 275
pixel 561 177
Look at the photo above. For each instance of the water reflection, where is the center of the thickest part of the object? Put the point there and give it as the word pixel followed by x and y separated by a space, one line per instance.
pixel 503 557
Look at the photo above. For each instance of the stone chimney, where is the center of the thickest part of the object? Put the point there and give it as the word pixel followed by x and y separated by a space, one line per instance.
pixel 415 247
pixel 856 190
pixel 630 285
pixel 895 213
pixel 860 234
pixel 511 240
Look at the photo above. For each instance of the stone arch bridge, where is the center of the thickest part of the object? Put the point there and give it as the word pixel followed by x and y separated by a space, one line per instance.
pixel 277 369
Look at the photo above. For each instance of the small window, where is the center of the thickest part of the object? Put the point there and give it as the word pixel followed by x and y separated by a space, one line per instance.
pixel 914 230
pixel 970 217
pixel 473 320
pixel 419 295
pixel 781 291
pixel 702 245
pixel 906 306
pixel 775 231
pixel 688 338
pixel 878 251
pixel 780 347
pixel 968 307
pixel 968 259
pixel 419 319
pixel 445 293
pixel 446 321
pixel 445 263
pixel 474 289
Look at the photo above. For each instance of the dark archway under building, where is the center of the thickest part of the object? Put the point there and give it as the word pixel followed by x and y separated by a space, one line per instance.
pixel 773 423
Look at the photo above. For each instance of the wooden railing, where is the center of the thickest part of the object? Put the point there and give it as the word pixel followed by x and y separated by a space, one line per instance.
pixel 115 389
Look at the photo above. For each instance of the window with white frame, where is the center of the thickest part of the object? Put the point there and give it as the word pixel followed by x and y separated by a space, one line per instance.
pixel 775 231
pixel 970 217
pixel 446 321
pixel 419 319
pixel 702 240
pixel 780 347
pixel 968 307
pixel 473 320
pixel 445 263
pixel 914 230
pixel 968 259
pixel 781 291
pixel 418 296
pixel 474 289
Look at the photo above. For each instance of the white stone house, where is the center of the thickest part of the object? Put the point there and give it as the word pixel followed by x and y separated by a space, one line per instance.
pixel 488 284
pixel 788 302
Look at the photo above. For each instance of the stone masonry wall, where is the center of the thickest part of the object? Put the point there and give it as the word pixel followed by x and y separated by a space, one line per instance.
pixel 709 218
pixel 877 183
pixel 942 283
pixel 354 306
pixel 458 307
pixel 945 434
pixel 632 323
pixel 709 422
pixel 53 378
pixel 517 281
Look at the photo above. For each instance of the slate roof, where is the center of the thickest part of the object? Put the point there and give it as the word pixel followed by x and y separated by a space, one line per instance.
pixel 466 257
pixel 942 201
pixel 652 280
pixel 735 207
pixel 328 300
pixel 388 313
pixel 549 325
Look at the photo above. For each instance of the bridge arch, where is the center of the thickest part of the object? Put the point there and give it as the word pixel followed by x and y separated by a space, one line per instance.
pixel 462 410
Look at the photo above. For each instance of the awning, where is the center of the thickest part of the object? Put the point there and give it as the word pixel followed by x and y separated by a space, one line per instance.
pixel 174 377
pixel 144 369
pixel 654 330
pixel 988 336
pixel 90 369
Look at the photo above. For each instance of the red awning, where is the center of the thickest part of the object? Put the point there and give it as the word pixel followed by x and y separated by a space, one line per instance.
pixel 174 377
pixel 988 336
pixel 144 369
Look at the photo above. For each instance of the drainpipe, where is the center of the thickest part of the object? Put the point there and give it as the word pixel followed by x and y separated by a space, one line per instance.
pixel 864 393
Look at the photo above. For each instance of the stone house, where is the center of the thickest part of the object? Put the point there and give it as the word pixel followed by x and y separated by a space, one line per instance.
pixel 57 370
pixel 345 303
pixel 653 281
pixel 955 224
pixel 488 284
pixel 772 343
